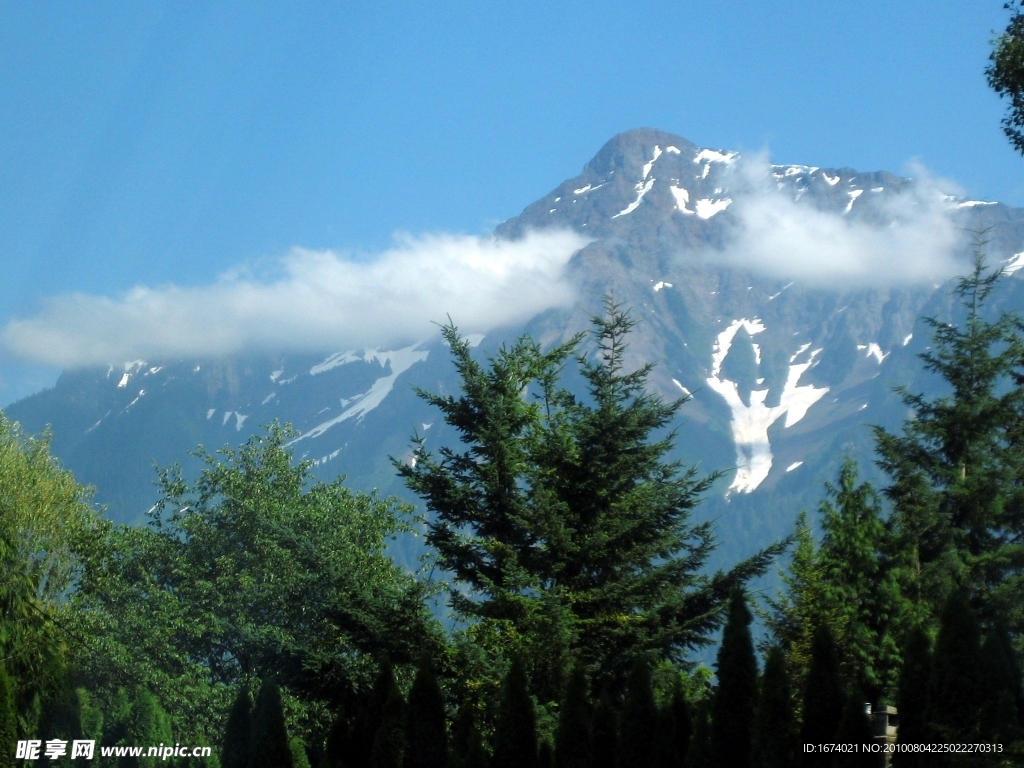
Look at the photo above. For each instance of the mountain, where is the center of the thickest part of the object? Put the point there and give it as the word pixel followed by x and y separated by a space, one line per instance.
pixel 786 361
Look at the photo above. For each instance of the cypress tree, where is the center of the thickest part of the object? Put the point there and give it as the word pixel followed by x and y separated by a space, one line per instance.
pixel 823 697
pixel 639 717
pixel 426 737
pixel 236 751
pixel 664 753
pixel 369 718
pixel 700 753
pixel 467 745
pixel 338 747
pixel 732 707
pixel 683 725
pixel 515 732
pixel 572 737
pixel 855 729
pixel 300 758
pixel 270 747
pixel 954 693
pixel 604 734
pixel 912 698
pixel 774 738
pixel 1000 681
pixel 389 741
pixel 8 720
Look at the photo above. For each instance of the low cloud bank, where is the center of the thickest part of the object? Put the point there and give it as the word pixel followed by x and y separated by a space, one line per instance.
pixel 881 239
pixel 322 301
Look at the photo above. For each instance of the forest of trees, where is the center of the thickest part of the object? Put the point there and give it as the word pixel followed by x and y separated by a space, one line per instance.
pixel 259 612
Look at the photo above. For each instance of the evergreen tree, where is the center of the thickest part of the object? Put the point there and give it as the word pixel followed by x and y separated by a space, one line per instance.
pixel 823 698
pixel 515 732
pixel 700 754
pixel 732 707
pixel 639 717
pixel 774 736
pixel 912 698
pixel 954 691
pixel 300 759
pixel 955 469
pixel 467 745
pixel 338 747
pixel 572 737
pixel 8 720
pixel 604 734
pixel 1006 73
pixel 370 715
pixel 1001 683
pixel 426 736
pixel 561 515
pixel 856 728
pixel 546 755
pixel 389 741
pixel 664 752
pixel 270 744
pixel 236 751
pixel 682 722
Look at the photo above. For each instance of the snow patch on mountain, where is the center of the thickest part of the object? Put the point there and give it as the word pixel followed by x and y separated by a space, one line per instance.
pixel 400 360
pixel 650 163
pixel 682 197
pixel 642 189
pixel 707 208
pixel 750 423
pixel 333 361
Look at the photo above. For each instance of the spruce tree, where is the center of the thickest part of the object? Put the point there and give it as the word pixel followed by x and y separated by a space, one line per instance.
pixel 856 728
pixel 426 736
pixel 369 718
pixel 638 720
pixel 732 707
pixel 270 743
pixel 236 751
pixel 572 737
pixel 515 732
pixel 774 737
pixel 954 691
pixel 823 698
pixel 912 698
pixel 561 513
pixel 8 720
pixel 389 742
pixel 604 734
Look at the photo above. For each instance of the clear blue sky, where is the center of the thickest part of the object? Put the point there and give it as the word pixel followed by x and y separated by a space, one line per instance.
pixel 147 143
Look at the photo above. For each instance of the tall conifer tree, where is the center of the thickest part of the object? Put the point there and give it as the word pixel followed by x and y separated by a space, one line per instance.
pixel 236 750
pixel 467 744
pixel 604 734
pixel 856 728
pixel 370 714
pixel 389 741
pixel 732 707
pixel 823 698
pixel 426 736
pixel 270 743
pixel 774 737
pixel 682 720
pixel 515 732
pixel 638 720
pixel 912 698
pixel 338 746
pixel 955 693
pixel 572 738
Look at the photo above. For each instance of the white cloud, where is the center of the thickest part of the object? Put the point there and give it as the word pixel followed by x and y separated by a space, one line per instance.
pixel 886 239
pixel 320 301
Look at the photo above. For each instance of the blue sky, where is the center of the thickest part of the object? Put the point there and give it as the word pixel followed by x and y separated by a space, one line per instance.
pixel 155 143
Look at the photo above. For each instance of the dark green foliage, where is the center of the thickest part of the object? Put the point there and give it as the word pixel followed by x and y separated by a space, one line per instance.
pixel 732 706
pixel 546 755
pixel 682 722
pixel 300 759
pixel 147 725
pixel 467 745
pixel 604 734
pixel 270 743
pixel 638 721
pixel 515 732
pixel 371 714
pixel 823 697
pixel 426 737
pixel 912 698
pixel 254 569
pixel 856 728
pixel 572 737
pixel 1001 686
pixel 389 741
pixel 1006 74
pixel 236 751
pixel 700 753
pixel 338 748
pixel 664 753
pixel 954 691
pixel 958 510
pixel 564 516
pixel 774 736
pixel 8 720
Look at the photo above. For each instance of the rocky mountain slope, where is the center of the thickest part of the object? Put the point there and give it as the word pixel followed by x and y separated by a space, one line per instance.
pixel 786 362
